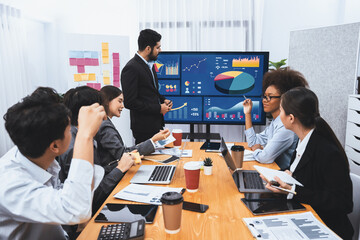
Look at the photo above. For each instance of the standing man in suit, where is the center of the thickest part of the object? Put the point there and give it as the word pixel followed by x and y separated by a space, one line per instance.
pixel 140 88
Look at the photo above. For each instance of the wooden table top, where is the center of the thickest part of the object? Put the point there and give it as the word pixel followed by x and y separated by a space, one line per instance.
pixel 223 219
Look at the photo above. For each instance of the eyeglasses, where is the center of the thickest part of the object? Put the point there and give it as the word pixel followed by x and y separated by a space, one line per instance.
pixel 268 98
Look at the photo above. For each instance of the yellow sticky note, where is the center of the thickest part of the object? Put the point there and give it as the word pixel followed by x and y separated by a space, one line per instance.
pixel 105 60
pixel 105 53
pixel 84 77
pixel 105 45
pixel 92 77
pixel 106 73
pixel 106 80
pixel 77 77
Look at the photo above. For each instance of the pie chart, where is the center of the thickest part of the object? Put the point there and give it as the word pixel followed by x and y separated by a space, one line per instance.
pixel 234 82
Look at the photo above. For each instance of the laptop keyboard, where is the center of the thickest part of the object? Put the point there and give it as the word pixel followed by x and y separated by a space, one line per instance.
pixel 252 180
pixel 160 173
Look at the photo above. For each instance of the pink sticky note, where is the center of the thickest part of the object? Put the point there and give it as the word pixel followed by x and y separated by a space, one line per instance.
pixel 116 77
pixel 73 61
pixel 116 70
pixel 95 62
pixel 80 61
pixel 90 85
pixel 116 62
pixel 97 86
pixel 115 55
pixel 88 62
pixel 81 68
pixel 116 83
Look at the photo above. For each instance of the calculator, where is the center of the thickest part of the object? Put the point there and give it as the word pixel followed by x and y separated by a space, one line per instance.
pixel 133 230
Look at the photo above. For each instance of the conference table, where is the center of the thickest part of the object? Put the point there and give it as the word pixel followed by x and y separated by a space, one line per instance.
pixel 223 219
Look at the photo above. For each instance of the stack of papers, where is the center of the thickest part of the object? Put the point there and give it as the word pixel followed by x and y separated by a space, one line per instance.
pixel 298 226
pixel 162 143
pixel 173 151
pixel 144 193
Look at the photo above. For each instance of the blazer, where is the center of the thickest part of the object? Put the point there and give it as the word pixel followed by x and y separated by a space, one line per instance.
pixel 110 146
pixel 141 96
pixel 327 185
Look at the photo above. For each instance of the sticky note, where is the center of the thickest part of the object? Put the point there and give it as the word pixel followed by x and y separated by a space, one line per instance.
pixel 106 80
pixel 73 61
pixel 87 54
pixel 116 83
pixel 116 62
pixel 105 53
pixel 97 86
pixel 88 62
pixel 116 55
pixel 105 45
pixel 92 77
pixel 116 70
pixel 94 54
pixel 80 61
pixel 105 60
pixel 106 73
pixel 77 77
pixel 116 77
pixel 95 62
pixel 84 77
pixel 81 69
pixel 76 54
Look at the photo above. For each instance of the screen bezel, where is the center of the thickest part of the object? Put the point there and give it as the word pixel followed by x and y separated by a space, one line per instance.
pixel 265 69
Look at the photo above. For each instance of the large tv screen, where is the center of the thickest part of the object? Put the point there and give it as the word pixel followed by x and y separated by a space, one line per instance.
pixel 209 87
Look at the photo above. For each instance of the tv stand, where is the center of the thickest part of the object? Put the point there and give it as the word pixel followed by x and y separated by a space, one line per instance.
pixel 207 135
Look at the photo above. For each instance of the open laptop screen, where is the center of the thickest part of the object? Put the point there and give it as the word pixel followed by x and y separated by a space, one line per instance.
pixel 227 156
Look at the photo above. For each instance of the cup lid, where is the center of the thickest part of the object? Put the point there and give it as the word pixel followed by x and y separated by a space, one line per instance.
pixel 192 165
pixel 237 148
pixel 177 131
pixel 171 198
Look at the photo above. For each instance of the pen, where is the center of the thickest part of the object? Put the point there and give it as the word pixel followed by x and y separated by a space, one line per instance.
pixel 283 189
pixel 254 232
pixel 244 97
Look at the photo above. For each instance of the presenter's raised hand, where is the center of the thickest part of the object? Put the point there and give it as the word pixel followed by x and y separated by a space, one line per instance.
pixel 164 108
pixel 169 103
pixel 247 103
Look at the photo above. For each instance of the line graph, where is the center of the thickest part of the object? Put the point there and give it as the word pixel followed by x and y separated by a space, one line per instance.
pixel 173 109
pixel 194 65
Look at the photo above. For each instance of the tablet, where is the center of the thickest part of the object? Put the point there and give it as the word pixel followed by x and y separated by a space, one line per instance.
pixel 210 145
pixel 259 207
pixel 113 212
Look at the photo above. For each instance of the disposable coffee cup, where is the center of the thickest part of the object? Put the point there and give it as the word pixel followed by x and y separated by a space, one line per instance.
pixel 172 207
pixel 237 153
pixel 192 176
pixel 177 134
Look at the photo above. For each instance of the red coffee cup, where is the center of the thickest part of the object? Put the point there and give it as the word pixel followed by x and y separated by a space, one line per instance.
pixel 192 176
pixel 177 134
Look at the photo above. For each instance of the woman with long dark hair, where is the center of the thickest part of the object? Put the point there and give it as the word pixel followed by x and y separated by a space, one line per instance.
pixel 319 162
pixel 110 144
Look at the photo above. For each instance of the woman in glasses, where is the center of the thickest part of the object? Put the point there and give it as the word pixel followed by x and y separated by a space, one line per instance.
pixel 320 163
pixel 275 143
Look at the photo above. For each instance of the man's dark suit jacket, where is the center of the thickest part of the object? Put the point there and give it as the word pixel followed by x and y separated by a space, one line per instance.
pixel 327 185
pixel 142 97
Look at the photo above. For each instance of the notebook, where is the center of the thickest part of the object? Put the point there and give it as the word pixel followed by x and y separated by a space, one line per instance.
pixel 246 180
pixel 156 174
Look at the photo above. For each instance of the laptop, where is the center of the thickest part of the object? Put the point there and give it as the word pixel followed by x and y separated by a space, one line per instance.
pixel 157 174
pixel 247 181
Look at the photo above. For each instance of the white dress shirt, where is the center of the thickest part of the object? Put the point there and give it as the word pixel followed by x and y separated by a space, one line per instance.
pixel 33 202
pixel 299 152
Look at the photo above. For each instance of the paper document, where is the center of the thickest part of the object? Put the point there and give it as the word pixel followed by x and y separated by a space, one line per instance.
pixel 269 174
pixel 298 226
pixel 144 193
pixel 166 141
pixel 173 151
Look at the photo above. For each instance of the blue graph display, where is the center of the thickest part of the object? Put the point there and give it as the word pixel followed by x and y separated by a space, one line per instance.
pixel 224 109
pixel 187 109
pixel 214 84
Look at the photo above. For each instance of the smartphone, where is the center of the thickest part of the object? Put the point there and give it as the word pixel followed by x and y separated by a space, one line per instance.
pixel 195 207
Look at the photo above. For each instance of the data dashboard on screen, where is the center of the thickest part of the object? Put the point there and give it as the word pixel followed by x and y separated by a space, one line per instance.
pixel 209 87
